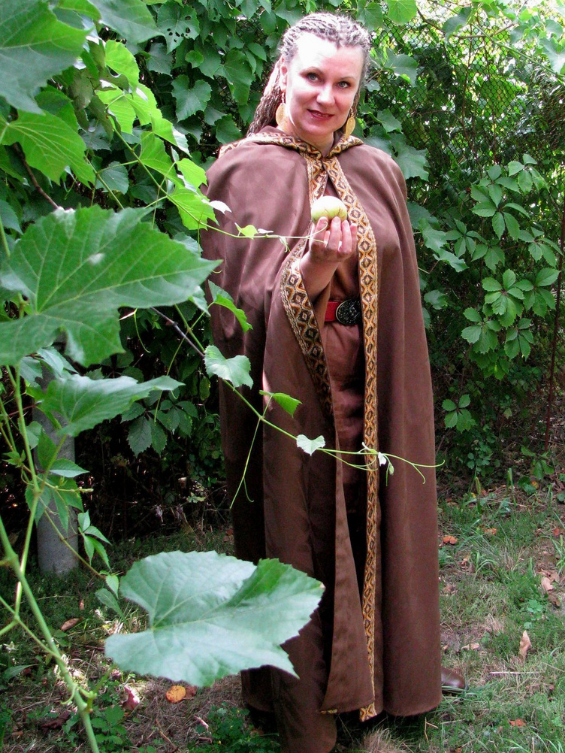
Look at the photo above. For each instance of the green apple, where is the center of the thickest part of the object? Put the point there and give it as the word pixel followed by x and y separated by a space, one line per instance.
pixel 330 207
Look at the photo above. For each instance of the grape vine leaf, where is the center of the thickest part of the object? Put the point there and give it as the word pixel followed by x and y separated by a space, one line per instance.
pixel 211 615
pixel 76 268
pixel 34 46
pixel 82 402
pixel 234 370
pixel 130 18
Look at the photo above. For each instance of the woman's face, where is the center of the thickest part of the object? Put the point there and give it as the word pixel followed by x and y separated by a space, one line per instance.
pixel 320 84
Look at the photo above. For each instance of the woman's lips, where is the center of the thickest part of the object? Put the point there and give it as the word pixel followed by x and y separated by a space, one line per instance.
pixel 320 115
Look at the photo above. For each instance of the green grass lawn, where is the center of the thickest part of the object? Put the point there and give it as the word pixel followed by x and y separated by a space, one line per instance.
pixel 502 570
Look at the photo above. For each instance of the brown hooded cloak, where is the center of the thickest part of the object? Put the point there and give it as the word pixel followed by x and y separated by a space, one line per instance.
pixel 373 644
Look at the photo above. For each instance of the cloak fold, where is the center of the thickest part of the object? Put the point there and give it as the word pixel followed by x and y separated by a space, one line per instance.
pixel 376 647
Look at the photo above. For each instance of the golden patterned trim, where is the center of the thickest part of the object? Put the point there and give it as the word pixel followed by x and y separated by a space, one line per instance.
pixel 305 326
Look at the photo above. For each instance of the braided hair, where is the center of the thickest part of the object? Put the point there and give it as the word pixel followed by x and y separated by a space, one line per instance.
pixel 336 28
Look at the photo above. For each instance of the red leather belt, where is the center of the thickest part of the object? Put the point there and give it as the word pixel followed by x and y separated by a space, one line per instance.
pixel 346 312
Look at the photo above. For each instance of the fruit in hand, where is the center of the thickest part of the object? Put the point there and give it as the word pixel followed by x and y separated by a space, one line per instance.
pixel 330 207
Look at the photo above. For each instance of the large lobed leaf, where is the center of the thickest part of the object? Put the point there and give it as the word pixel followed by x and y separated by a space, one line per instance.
pixel 211 615
pixel 34 46
pixel 77 268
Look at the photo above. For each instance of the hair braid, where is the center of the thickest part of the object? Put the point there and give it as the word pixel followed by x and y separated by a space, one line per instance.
pixel 336 28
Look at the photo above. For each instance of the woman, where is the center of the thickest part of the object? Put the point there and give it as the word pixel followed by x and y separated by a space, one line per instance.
pixel 362 379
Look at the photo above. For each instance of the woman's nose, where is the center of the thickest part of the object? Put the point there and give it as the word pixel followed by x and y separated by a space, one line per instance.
pixel 325 95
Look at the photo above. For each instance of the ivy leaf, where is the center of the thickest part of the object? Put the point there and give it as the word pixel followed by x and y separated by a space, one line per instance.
pixel 130 18
pixel 115 177
pixel 388 121
pixel 498 224
pixel 190 101
pixel 401 11
pixel 49 144
pixel 403 65
pixel 77 268
pixel 222 298
pixel 239 75
pixel 555 55
pixel 310 445
pixel 160 60
pixel 453 24
pixel 434 239
pixel 512 225
pixel 546 276
pixel 211 615
pixel 226 130
pixel 287 403
pixel 177 23
pixel 412 162
pixel 83 403
pixel 34 46
pixel 235 370
pixel 120 59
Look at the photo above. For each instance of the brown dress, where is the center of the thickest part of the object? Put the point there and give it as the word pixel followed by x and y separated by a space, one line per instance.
pixel 373 644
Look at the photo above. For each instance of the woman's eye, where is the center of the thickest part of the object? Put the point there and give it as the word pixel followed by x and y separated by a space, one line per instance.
pixel 344 84
pixel 311 77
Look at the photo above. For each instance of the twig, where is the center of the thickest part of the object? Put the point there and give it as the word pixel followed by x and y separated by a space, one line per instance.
pixel 164 736
pixel 177 329
pixel 35 183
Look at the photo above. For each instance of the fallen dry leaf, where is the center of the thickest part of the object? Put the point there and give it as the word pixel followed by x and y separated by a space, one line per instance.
pixel 471 647
pixel 554 576
pixel 68 624
pixel 555 600
pixel 175 694
pixel 55 722
pixel 546 584
pixel 557 531
pixel 525 645
pixel 449 540
pixel 490 531
pixel 132 698
pixel 517 722
pixel 190 691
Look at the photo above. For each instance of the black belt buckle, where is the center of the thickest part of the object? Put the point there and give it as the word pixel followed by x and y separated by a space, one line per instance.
pixel 349 312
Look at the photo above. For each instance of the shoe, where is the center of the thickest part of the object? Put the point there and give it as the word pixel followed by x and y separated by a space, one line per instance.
pixel 452 681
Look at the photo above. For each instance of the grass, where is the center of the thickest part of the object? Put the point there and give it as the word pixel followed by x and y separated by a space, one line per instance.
pixel 494 550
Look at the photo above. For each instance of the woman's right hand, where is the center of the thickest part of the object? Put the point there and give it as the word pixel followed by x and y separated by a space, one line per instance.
pixel 329 245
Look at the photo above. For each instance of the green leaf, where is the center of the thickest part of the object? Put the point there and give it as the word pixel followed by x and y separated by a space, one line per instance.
pixel 211 615
pixel 66 468
pixel 498 224
pixel 525 181
pixel 412 162
pixel 388 121
pixel 464 401
pixel 226 130
pixel 120 59
pixel 508 279
pixel 109 600
pixel 486 209
pixel 130 18
pixel 403 65
pixel 310 445
pixel 49 144
pixel 154 155
pixel 83 403
pixel 221 298
pixel 115 177
pixel 160 60
pixel 472 334
pixel 448 405
pixel 401 11
pixel 190 101
pixel 77 268
pixel 434 239
pixel 494 256
pixel 555 55
pixel 235 370
pixel 34 47
pixel 177 23
pixel 495 193
pixel 472 315
pixel 139 435
pixel 453 24
pixel 512 225
pixel 287 403
pixel 371 16
pixel 454 261
pixel 514 167
pixel 8 217
pixel 546 277
pixel 489 283
pixel 239 75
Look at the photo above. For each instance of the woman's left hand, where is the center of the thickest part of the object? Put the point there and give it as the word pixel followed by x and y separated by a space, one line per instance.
pixel 329 246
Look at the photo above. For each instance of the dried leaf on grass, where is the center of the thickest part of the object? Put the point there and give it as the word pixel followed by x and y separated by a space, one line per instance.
pixel 175 694
pixel 525 645
pixel 517 722
pixel 451 540
pixel 546 584
pixel 55 722
pixel 68 624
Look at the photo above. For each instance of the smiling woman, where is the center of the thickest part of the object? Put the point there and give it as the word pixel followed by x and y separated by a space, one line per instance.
pixel 373 644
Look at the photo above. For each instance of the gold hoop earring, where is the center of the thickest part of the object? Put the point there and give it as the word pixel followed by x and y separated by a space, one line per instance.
pixel 280 114
pixel 349 126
